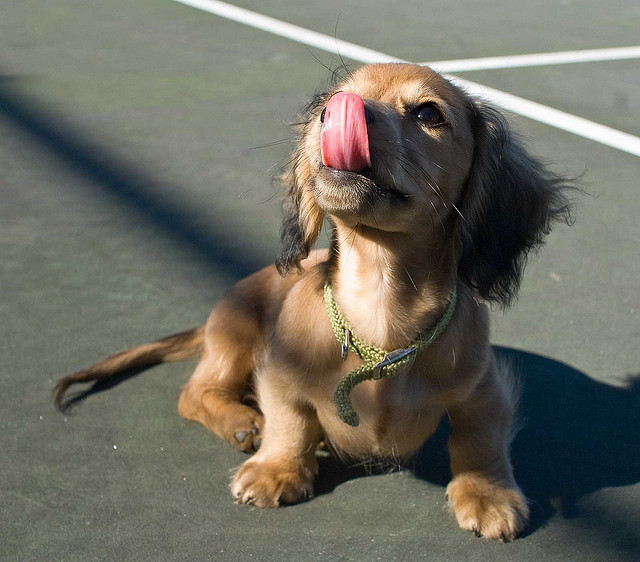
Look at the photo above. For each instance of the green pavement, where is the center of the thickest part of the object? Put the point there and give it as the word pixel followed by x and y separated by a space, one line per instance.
pixel 137 146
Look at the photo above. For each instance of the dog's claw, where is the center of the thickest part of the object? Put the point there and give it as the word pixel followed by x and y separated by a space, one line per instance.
pixel 255 431
pixel 476 532
pixel 257 443
pixel 241 436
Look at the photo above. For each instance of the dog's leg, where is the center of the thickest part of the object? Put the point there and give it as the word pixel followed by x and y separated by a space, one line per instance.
pixel 217 390
pixel 483 493
pixel 213 397
pixel 283 469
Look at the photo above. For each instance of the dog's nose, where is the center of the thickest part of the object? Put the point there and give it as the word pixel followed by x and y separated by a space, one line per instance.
pixel 344 138
pixel 368 115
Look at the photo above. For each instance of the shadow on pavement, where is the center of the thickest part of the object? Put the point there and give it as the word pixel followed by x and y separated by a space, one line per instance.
pixel 577 436
pixel 73 399
pixel 119 179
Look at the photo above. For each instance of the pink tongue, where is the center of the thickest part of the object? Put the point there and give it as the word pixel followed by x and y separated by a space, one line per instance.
pixel 345 144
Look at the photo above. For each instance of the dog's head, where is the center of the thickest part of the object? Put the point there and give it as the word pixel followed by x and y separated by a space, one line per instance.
pixel 398 148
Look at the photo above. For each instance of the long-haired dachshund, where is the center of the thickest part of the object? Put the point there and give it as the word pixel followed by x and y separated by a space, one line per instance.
pixel 433 207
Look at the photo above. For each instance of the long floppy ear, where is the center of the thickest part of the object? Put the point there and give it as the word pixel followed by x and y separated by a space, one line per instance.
pixel 510 204
pixel 303 217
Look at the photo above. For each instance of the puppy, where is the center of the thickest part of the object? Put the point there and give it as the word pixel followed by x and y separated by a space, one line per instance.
pixel 433 208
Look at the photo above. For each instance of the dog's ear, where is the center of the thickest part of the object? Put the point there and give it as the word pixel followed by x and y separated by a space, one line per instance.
pixel 510 203
pixel 303 217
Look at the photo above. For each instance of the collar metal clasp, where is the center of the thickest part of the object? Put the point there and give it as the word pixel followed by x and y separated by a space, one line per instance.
pixel 394 357
pixel 344 348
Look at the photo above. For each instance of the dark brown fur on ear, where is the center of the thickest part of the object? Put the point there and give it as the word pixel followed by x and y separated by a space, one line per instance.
pixel 300 227
pixel 510 204
pixel 303 217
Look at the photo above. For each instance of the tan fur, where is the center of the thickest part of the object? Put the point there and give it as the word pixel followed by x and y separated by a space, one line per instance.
pixel 393 263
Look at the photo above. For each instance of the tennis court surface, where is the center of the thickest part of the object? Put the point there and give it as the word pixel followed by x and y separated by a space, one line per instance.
pixel 137 145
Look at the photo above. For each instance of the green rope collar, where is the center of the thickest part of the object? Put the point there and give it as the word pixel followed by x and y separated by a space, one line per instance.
pixel 377 362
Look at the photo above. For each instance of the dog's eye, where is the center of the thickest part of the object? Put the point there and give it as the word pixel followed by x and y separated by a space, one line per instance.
pixel 322 115
pixel 430 115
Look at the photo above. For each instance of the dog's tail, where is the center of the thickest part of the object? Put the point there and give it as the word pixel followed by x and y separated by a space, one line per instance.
pixel 173 348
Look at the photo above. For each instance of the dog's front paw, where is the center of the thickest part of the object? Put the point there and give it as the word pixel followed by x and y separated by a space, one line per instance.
pixel 486 507
pixel 269 483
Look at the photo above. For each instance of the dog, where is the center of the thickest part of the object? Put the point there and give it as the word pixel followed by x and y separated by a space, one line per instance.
pixel 433 207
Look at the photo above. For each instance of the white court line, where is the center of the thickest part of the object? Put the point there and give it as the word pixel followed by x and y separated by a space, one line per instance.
pixel 290 31
pixel 537 59
pixel 554 117
pixel 538 112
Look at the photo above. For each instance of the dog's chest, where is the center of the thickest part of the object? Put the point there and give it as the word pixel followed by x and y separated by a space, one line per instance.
pixel 396 416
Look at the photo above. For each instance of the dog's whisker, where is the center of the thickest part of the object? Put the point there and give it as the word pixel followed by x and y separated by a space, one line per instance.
pixel 335 36
pixel 406 146
pixel 317 59
pixel 273 143
pixel 434 186
pixel 353 235
pixel 402 164
pixel 427 177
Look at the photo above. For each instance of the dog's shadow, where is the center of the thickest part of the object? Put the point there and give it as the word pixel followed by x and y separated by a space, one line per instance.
pixel 577 435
